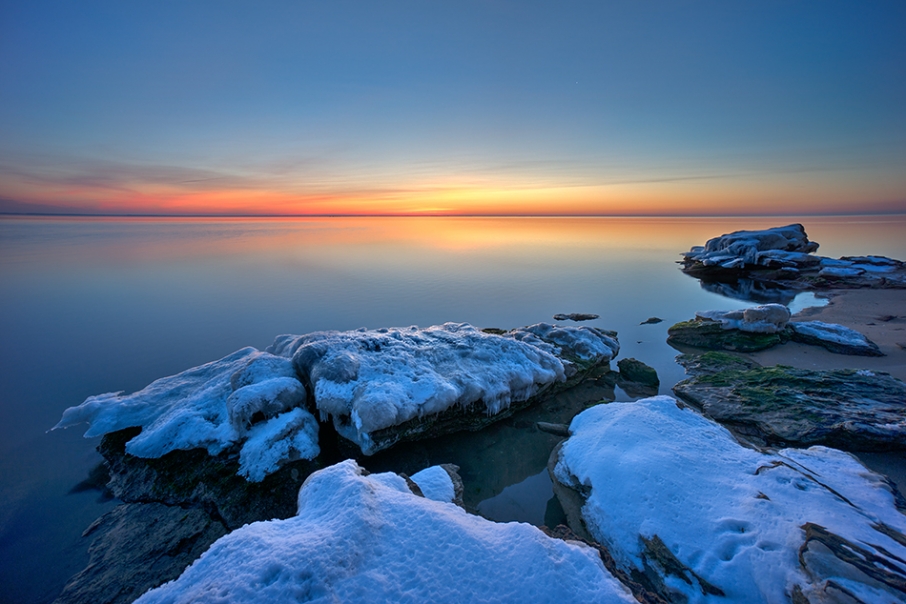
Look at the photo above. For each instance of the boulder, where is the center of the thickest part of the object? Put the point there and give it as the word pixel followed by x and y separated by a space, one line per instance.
pixel 690 514
pixel 835 338
pixel 713 335
pixel 848 409
pixel 636 378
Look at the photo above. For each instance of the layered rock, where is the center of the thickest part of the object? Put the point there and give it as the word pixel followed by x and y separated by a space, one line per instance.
pixel 761 327
pixel 845 408
pixel 782 257
pixel 689 513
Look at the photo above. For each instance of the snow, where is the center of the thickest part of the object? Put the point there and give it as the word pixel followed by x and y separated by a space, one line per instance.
pixel 730 514
pixel 369 380
pixel 832 332
pixel 212 407
pixel 769 318
pixel 435 484
pixel 361 538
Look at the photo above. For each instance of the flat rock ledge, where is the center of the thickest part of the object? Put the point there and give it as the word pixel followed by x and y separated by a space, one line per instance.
pixel 762 327
pixel 854 410
pixel 783 257
pixel 690 515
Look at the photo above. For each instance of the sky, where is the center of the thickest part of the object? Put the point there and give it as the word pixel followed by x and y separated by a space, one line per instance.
pixel 466 107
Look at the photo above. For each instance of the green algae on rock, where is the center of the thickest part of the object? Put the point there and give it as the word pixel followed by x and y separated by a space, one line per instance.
pixel 844 408
pixel 711 335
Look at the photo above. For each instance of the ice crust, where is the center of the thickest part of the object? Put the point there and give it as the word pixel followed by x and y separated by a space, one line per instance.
pixel 834 333
pixel 212 407
pixel 364 380
pixel 730 514
pixel 786 244
pixel 361 538
pixel 369 380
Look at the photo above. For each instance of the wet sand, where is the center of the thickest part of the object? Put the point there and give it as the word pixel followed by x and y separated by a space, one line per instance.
pixel 879 314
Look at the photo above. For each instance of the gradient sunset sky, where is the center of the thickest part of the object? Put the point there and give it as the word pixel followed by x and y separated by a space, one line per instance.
pixel 492 107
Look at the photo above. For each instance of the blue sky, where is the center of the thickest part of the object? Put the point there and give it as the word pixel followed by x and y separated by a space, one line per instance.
pixel 303 107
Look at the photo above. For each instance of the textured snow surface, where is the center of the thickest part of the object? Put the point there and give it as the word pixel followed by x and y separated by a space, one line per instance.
pixel 363 538
pixel 368 380
pixel 769 318
pixel 731 514
pixel 435 484
pixel 212 407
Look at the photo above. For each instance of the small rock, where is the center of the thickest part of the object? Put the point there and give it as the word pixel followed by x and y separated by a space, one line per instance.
pixel 576 316
pixel 651 321
pixel 836 338
pixel 635 371
pixel 555 429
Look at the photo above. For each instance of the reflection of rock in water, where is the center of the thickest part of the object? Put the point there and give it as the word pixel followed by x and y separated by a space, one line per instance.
pixel 500 455
pixel 750 290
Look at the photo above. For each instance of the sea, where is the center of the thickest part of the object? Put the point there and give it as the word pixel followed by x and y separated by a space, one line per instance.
pixel 91 305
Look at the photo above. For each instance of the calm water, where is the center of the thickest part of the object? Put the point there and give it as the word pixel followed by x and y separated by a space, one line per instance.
pixel 91 306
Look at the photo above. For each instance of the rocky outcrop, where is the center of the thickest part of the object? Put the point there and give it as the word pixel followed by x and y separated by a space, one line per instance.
pixel 781 259
pixel 688 513
pixel 761 327
pixel 848 409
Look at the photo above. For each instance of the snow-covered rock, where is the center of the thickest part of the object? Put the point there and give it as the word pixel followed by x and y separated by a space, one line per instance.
pixel 378 387
pixel 678 500
pixel 769 318
pixel 782 257
pixel 834 337
pixel 249 399
pixel 367 538
pixel 386 385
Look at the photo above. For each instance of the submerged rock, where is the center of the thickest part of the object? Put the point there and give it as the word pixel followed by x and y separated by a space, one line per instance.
pixel 651 321
pixel 761 327
pixel 692 515
pixel 847 409
pixel 636 378
pixel 359 537
pixel 782 257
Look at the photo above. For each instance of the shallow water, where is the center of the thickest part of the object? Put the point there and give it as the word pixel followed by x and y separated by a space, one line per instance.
pixel 97 305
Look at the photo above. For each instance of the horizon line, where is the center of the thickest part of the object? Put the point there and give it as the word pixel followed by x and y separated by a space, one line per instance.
pixel 452 215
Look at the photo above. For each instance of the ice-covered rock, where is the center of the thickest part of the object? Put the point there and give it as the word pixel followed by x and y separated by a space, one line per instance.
pixel 769 318
pixel 249 399
pixel 383 386
pixel 782 257
pixel 834 337
pixel 361 538
pixel 845 408
pixel 683 507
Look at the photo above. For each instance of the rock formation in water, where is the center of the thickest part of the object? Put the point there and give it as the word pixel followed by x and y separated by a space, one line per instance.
pixel 690 514
pixel 854 410
pixel 761 327
pixel 781 259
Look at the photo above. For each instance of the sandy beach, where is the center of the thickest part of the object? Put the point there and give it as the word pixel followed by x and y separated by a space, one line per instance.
pixel 879 314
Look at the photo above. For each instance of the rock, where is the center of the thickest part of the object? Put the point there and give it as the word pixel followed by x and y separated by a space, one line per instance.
pixel 835 338
pixel 770 318
pixel 138 546
pixel 690 514
pixel 555 429
pixel 637 378
pixel 576 316
pixel 848 409
pixel 781 257
pixel 712 335
pixel 360 537
pixel 651 321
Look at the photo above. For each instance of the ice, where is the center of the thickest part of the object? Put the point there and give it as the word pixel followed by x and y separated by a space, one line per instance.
pixel 733 516
pixel 213 407
pixel 786 244
pixel 834 333
pixel 361 538
pixel 769 318
pixel 435 484
pixel 369 380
